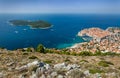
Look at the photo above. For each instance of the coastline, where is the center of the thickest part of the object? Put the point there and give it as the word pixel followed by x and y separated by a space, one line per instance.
pixel 76 45
pixel 41 28
pixel 103 40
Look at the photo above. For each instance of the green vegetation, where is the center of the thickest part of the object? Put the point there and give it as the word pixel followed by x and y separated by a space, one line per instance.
pixel 47 61
pixel 82 53
pixel 29 49
pixel 98 53
pixel 67 60
pixel 39 24
pixel 105 63
pixel 63 52
pixel 119 68
pixel 25 53
pixel 110 53
pixel 33 24
pixel 85 53
pixel 84 61
pixel 33 57
pixel 40 48
pixel 95 70
pixel 48 51
pixel 19 22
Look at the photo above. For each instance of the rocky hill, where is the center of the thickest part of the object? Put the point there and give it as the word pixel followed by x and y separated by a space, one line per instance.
pixel 27 64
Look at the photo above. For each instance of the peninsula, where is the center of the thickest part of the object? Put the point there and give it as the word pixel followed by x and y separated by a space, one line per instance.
pixel 101 40
pixel 33 24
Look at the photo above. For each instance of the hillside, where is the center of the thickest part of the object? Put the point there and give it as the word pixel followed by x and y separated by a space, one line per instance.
pixel 26 64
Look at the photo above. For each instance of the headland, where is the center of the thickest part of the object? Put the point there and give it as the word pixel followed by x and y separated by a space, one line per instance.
pixel 101 40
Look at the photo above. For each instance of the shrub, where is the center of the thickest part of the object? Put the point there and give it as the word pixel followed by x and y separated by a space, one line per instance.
pixel 48 61
pixel 48 51
pixel 40 48
pixel 29 49
pixel 33 57
pixel 85 53
pixel 119 68
pixel 109 53
pixel 25 53
pixel 73 53
pixel 97 53
pixel 93 71
pixel 67 60
pixel 84 61
pixel 64 52
pixel 105 63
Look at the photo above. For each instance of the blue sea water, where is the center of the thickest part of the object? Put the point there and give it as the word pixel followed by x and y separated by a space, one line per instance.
pixel 63 33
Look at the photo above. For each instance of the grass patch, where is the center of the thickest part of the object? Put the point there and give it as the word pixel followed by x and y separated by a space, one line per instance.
pixel 85 53
pixel 33 57
pixel 93 71
pixel 25 53
pixel 105 63
pixel 47 61
pixel 84 61
pixel 66 60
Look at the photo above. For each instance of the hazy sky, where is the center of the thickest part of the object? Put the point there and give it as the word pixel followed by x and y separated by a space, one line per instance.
pixel 59 6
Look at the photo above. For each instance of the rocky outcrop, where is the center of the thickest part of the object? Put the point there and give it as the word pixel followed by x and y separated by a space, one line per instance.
pixel 64 70
pixel 61 70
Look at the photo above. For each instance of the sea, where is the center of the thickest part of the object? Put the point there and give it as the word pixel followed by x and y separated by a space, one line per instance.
pixel 61 35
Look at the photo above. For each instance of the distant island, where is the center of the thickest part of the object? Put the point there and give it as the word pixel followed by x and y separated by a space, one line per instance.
pixel 33 24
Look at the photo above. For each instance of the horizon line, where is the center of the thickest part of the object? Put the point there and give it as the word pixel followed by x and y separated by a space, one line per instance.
pixel 57 13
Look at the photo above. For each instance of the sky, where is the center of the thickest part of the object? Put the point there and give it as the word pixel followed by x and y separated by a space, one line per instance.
pixel 60 6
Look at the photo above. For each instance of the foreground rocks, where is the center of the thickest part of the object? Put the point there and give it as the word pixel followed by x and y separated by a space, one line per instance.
pixel 63 70
pixel 16 64
pixel 44 70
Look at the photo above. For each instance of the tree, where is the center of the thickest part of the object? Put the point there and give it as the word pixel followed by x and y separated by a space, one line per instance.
pixel 29 49
pixel 40 48
pixel 98 52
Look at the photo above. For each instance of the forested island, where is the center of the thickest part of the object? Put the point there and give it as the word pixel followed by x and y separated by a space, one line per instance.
pixel 33 24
